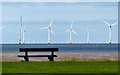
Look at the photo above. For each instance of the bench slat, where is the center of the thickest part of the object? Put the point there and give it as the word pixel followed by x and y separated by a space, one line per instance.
pixel 37 55
pixel 38 49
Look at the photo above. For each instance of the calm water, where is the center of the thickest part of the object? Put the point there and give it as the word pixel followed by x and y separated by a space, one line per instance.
pixel 64 48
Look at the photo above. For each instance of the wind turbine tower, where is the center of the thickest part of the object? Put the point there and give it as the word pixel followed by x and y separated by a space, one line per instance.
pixel 88 35
pixel 23 34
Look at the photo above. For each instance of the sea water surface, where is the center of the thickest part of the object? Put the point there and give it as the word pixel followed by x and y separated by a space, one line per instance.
pixel 64 48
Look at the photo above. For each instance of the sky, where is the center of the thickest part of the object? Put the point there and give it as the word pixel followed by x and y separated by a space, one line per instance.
pixel 60 0
pixel 39 14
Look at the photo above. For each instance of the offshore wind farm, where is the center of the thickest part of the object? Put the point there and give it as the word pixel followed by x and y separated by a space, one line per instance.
pixel 70 30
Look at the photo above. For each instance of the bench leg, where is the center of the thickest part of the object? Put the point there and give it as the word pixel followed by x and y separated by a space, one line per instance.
pixel 26 58
pixel 51 58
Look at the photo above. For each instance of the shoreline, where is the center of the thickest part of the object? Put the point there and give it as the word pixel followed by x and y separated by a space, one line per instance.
pixel 65 57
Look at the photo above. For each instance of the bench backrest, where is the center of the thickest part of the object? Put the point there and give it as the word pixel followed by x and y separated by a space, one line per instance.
pixel 38 49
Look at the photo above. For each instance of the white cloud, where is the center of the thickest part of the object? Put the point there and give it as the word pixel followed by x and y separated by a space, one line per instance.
pixel 60 0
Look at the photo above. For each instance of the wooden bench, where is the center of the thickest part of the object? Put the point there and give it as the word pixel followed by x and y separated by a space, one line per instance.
pixel 26 50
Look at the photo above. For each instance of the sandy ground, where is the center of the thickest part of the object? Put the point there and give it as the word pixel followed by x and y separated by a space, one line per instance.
pixel 66 57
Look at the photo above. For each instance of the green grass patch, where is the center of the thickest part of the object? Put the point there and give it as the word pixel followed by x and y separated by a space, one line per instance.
pixel 60 67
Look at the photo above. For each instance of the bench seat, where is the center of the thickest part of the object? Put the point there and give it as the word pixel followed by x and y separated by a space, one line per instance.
pixel 37 56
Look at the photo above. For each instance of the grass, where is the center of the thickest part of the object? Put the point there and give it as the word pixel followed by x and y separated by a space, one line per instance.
pixel 60 67
pixel 0 67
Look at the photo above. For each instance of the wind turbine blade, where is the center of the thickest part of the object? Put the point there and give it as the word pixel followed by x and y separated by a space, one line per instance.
pixel 114 23
pixel 67 30
pixel 51 23
pixel 74 32
pixel 71 24
pixel 106 22
pixel 44 28
pixel 52 32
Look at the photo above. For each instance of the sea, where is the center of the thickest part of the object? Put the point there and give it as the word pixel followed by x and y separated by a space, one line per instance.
pixel 65 48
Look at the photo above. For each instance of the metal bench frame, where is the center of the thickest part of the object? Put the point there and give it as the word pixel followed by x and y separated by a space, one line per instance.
pixel 26 50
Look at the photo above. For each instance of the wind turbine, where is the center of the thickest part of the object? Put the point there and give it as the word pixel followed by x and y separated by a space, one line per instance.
pixel 20 36
pixel 71 31
pixel 49 31
pixel 88 35
pixel 22 32
pixel 110 30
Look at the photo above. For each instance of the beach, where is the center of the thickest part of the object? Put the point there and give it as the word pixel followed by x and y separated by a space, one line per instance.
pixel 67 52
pixel 65 57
